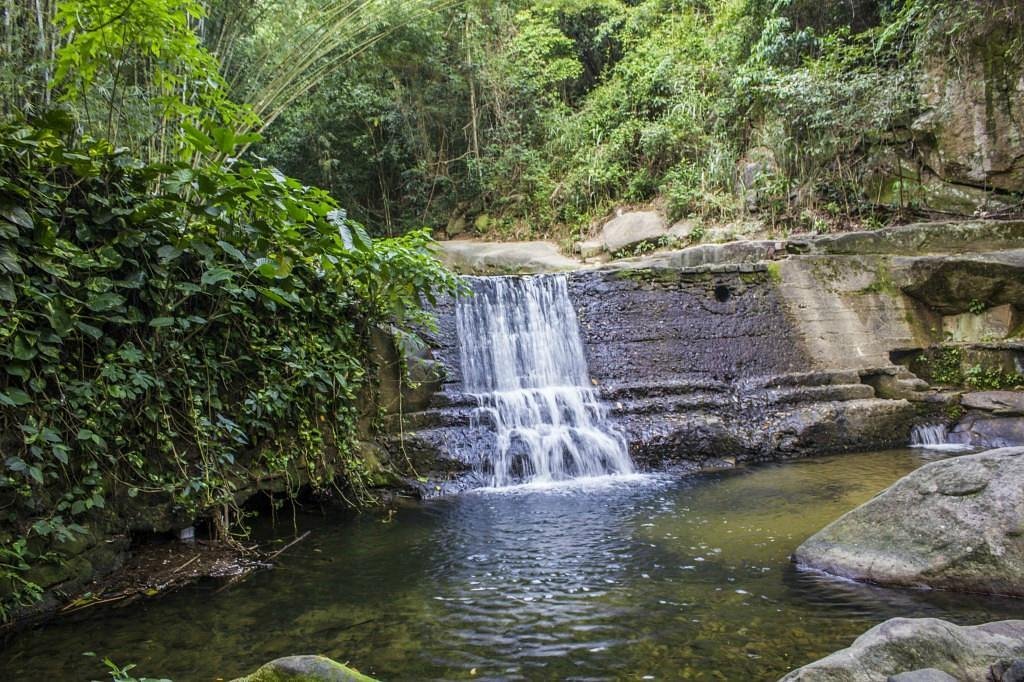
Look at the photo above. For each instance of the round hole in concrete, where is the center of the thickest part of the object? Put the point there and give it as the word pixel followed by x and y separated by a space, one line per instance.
pixel 722 293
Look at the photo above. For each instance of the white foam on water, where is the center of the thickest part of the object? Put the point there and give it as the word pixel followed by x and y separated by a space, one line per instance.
pixel 935 437
pixel 523 360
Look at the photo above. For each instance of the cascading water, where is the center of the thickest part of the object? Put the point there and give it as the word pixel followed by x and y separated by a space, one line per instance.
pixel 522 358
pixel 934 437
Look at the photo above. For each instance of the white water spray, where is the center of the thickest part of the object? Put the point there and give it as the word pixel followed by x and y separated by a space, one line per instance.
pixel 934 437
pixel 522 358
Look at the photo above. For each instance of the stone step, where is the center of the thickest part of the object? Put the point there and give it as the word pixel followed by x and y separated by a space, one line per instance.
pixel 802 379
pixel 670 404
pixel 788 395
pixel 644 391
pixel 427 419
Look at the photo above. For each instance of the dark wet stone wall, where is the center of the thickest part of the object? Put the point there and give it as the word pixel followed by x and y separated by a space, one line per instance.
pixel 659 327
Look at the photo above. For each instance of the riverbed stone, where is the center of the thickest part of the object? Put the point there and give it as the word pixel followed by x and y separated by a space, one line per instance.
pixel 912 645
pixel 305 669
pixel 633 228
pixel 955 524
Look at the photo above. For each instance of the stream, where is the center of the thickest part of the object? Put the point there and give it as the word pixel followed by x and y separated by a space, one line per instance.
pixel 634 577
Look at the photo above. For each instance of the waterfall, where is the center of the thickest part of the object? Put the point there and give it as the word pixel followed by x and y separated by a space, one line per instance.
pixel 934 437
pixel 522 357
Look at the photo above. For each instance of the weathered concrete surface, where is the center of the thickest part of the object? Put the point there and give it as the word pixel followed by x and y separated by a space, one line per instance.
pixel 471 257
pixel 656 327
pixel 955 524
pixel 845 311
pixel 305 669
pixel 632 228
pixel 918 238
pixel 902 645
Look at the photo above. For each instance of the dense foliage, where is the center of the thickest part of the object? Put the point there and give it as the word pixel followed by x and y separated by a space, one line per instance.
pixel 538 116
pixel 178 322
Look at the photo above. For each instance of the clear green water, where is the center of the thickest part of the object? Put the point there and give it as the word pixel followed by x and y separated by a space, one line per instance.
pixel 653 578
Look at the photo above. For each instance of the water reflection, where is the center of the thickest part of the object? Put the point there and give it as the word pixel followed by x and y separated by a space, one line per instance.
pixel 620 578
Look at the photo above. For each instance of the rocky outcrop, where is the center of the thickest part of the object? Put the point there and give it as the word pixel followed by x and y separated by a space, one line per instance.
pixel 305 669
pixel 951 284
pixel 632 228
pixel 471 257
pixel 955 524
pixel 754 350
pixel 904 649
pixel 971 131
pixel 918 238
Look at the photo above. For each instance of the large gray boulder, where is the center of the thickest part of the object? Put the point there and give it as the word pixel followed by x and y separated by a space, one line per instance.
pixel 633 228
pixel 955 524
pixel 906 645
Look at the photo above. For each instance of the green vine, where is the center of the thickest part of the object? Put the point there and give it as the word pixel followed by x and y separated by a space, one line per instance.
pixel 171 335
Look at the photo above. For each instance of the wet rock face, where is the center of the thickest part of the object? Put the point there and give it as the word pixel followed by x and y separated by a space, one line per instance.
pixel 660 327
pixel 920 649
pixel 956 524
pixel 694 365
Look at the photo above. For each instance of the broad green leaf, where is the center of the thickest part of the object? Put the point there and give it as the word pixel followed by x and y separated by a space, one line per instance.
pixel 23 349
pixel 7 292
pixel 14 397
pixel 215 275
pixel 161 322
pixel 16 215
pixel 168 253
pixel 232 251
pixel 10 262
pixel 104 302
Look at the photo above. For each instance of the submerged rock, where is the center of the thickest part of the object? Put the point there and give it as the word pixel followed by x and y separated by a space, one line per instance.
pixel 956 524
pixel 305 669
pixel 918 649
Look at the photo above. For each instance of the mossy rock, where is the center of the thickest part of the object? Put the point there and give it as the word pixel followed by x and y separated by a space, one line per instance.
pixel 305 669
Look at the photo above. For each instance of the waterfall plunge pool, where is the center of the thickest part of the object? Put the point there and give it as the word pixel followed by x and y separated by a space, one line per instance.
pixel 643 577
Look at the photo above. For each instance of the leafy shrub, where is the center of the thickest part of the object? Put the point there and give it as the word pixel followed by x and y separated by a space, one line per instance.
pixel 176 333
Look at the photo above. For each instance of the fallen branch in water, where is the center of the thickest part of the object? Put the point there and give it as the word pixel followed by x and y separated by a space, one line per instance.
pixel 293 542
